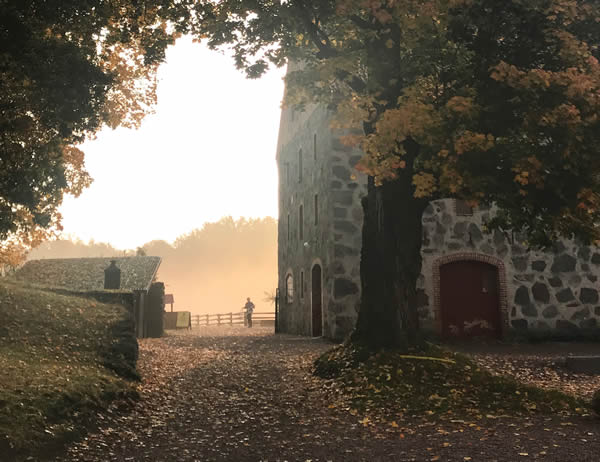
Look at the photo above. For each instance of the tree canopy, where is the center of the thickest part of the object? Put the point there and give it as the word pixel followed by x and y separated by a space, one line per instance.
pixel 501 98
pixel 491 102
pixel 67 68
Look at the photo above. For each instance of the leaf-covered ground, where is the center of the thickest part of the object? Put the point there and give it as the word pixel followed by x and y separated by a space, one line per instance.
pixel 540 364
pixel 234 394
pixel 57 356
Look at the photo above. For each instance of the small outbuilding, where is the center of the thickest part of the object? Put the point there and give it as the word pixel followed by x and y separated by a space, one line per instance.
pixel 129 281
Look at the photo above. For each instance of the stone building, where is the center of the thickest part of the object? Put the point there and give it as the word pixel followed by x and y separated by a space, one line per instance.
pixel 472 282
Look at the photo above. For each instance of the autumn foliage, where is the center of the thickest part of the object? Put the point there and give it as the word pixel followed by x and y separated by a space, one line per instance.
pixel 491 102
pixel 67 68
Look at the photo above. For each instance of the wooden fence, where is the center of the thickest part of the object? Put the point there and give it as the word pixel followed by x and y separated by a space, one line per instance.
pixel 233 318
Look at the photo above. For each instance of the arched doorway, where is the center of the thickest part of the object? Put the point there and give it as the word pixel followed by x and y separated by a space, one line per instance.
pixel 469 299
pixel 316 303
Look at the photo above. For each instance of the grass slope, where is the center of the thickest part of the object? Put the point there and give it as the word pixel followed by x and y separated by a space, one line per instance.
pixel 436 383
pixel 58 357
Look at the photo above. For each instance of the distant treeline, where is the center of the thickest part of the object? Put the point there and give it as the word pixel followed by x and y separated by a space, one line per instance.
pixel 211 269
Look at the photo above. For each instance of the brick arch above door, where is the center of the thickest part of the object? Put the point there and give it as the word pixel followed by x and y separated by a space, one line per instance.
pixel 477 257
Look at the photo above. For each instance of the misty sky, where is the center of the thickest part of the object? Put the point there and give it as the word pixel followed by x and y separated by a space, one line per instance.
pixel 208 152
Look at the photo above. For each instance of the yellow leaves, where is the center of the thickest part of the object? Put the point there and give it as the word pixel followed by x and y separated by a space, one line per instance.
pixel 529 172
pixel 450 179
pixel 462 106
pixel 563 115
pixel 522 178
pixel 589 201
pixel 77 177
pixel 470 141
pixel 389 43
pixel 353 112
pixel 365 421
pixel 425 184
pixel 351 140
pixel 412 118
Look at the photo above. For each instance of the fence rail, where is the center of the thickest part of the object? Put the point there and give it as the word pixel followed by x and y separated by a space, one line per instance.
pixel 232 318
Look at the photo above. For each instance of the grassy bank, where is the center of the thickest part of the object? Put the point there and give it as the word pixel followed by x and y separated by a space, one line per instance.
pixel 433 383
pixel 58 357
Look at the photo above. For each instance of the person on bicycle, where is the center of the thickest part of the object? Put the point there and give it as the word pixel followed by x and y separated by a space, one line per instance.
pixel 249 307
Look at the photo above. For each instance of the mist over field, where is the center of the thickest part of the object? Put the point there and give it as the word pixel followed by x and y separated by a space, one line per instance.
pixel 209 270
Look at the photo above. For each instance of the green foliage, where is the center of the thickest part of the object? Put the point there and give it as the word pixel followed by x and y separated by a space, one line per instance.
pixel 58 355
pixel 433 382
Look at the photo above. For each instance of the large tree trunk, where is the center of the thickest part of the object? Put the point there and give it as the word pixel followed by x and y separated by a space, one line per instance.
pixel 390 265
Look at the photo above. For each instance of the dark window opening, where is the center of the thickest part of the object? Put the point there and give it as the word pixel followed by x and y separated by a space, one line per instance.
pixel 302 284
pixel 315 146
pixel 301 223
pixel 316 209
pixel 300 168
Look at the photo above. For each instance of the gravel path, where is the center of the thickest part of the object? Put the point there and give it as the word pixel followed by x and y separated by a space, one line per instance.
pixel 236 394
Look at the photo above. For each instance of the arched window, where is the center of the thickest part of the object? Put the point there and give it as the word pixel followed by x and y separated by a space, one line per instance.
pixel 289 288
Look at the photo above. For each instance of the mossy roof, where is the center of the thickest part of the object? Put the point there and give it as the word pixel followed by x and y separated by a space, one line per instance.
pixel 87 274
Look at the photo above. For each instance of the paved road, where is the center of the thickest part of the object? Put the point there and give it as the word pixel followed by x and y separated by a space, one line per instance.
pixel 234 394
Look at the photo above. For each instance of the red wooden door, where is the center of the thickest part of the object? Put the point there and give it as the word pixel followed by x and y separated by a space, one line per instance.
pixel 469 298
pixel 317 312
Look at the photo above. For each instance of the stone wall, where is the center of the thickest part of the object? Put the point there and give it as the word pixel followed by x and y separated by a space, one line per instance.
pixel 544 290
pixel 347 186
pixel 541 291
pixel 298 132
pixel 334 241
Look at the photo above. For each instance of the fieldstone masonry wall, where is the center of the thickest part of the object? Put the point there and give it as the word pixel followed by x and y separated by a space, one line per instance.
pixel 552 290
pixel 555 289
pixel 335 241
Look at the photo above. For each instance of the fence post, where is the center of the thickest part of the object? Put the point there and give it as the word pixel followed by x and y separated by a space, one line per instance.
pixel 231 318
pixel 277 301
pixel 219 319
pixel 207 320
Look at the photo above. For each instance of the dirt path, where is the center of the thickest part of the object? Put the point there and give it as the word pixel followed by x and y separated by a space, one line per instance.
pixel 241 395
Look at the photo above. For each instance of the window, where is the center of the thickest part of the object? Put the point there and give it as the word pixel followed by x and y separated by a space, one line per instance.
pixel 300 166
pixel 289 288
pixel 316 209
pixel 301 222
pixel 462 208
pixel 301 284
pixel 315 146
